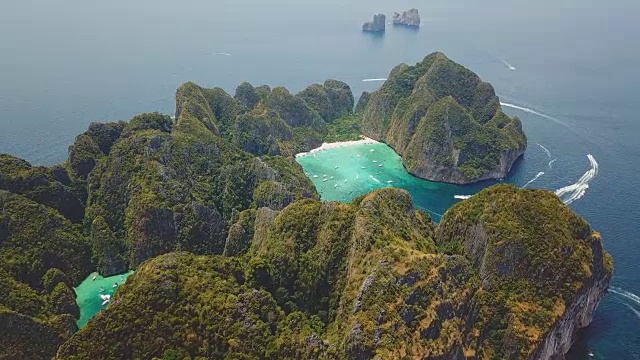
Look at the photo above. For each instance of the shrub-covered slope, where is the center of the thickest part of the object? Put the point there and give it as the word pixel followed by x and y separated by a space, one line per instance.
pixel 372 279
pixel 444 121
pixel 42 254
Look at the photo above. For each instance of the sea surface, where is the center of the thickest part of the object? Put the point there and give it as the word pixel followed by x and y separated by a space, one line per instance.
pixel 91 292
pixel 66 63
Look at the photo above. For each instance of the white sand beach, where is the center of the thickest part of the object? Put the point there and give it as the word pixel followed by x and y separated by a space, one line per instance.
pixel 336 145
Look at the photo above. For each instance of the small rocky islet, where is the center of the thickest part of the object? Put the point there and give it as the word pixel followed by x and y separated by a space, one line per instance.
pixel 410 18
pixel 237 257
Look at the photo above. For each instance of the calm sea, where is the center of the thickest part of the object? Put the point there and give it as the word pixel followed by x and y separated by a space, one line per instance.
pixel 66 63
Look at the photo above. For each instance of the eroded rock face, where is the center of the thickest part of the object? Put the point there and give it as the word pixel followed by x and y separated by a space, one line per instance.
pixel 444 121
pixel 408 18
pixel 377 25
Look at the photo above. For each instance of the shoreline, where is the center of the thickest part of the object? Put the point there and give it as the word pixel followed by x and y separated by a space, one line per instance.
pixel 337 145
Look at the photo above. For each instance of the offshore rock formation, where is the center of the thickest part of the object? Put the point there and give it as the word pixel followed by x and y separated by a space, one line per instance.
pixel 410 17
pixel 509 274
pixel 444 121
pixel 377 25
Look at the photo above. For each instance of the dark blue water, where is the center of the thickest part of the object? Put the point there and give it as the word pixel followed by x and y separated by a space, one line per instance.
pixel 64 64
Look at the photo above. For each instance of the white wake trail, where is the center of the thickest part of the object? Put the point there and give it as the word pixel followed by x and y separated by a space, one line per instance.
pixel 551 163
pixel 511 67
pixel 577 190
pixel 534 112
pixel 375 79
pixel 462 197
pixel 626 294
pixel 221 53
pixel 546 150
pixel 534 179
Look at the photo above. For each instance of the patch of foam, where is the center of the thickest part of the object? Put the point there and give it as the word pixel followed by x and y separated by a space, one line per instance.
pixel 462 197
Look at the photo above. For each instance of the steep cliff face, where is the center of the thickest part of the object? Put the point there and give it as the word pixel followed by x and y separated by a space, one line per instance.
pixel 542 270
pixel 444 121
pixel 41 254
pixel 377 25
pixel 410 17
pixel 509 274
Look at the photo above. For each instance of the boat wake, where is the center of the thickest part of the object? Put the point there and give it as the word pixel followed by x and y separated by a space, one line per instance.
pixel 551 161
pixel 375 79
pixel 462 197
pixel 629 296
pixel 534 112
pixel 221 53
pixel 534 179
pixel 573 192
pixel 511 67
pixel 546 150
pixel 626 294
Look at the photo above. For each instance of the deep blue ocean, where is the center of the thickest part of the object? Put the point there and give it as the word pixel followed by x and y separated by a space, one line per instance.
pixel 66 63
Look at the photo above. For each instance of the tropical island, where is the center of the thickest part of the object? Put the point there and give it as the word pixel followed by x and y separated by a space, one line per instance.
pixel 236 256
pixel 445 122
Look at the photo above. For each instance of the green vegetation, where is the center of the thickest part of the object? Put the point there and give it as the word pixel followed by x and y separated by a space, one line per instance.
pixel 444 121
pixel 374 278
pixel 344 129
pixel 236 257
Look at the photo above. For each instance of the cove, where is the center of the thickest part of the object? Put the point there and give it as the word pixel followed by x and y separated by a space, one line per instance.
pixel 355 170
pixel 88 294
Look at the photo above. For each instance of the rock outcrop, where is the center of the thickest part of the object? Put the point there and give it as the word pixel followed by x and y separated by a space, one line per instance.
pixel 444 121
pixel 410 17
pixel 509 274
pixel 377 25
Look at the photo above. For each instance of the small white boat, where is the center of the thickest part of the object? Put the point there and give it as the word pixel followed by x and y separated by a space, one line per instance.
pixel 315 176
pixel 390 181
pixel 358 155
pixel 590 354
pixel 115 285
pixel 335 186
pixel 372 150
pixel 381 165
pixel 345 180
pixel 375 161
pixel 331 178
pixel 105 298
pixel 325 175
pixel 325 180
pixel 357 177
pixel 364 167
pixel 336 167
pixel 94 277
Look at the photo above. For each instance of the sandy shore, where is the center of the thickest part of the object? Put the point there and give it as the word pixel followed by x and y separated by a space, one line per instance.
pixel 336 145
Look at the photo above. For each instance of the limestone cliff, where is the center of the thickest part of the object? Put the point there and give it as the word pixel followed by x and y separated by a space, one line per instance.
pixel 410 17
pixel 444 121
pixel 377 25
pixel 509 274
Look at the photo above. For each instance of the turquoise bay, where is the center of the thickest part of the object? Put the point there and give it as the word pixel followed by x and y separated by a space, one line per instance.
pixel 89 294
pixel 344 173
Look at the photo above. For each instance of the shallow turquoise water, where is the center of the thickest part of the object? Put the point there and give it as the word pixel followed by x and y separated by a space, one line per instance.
pixel 355 170
pixel 89 291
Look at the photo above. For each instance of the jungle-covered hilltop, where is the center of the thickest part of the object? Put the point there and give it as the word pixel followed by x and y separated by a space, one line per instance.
pixel 236 257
